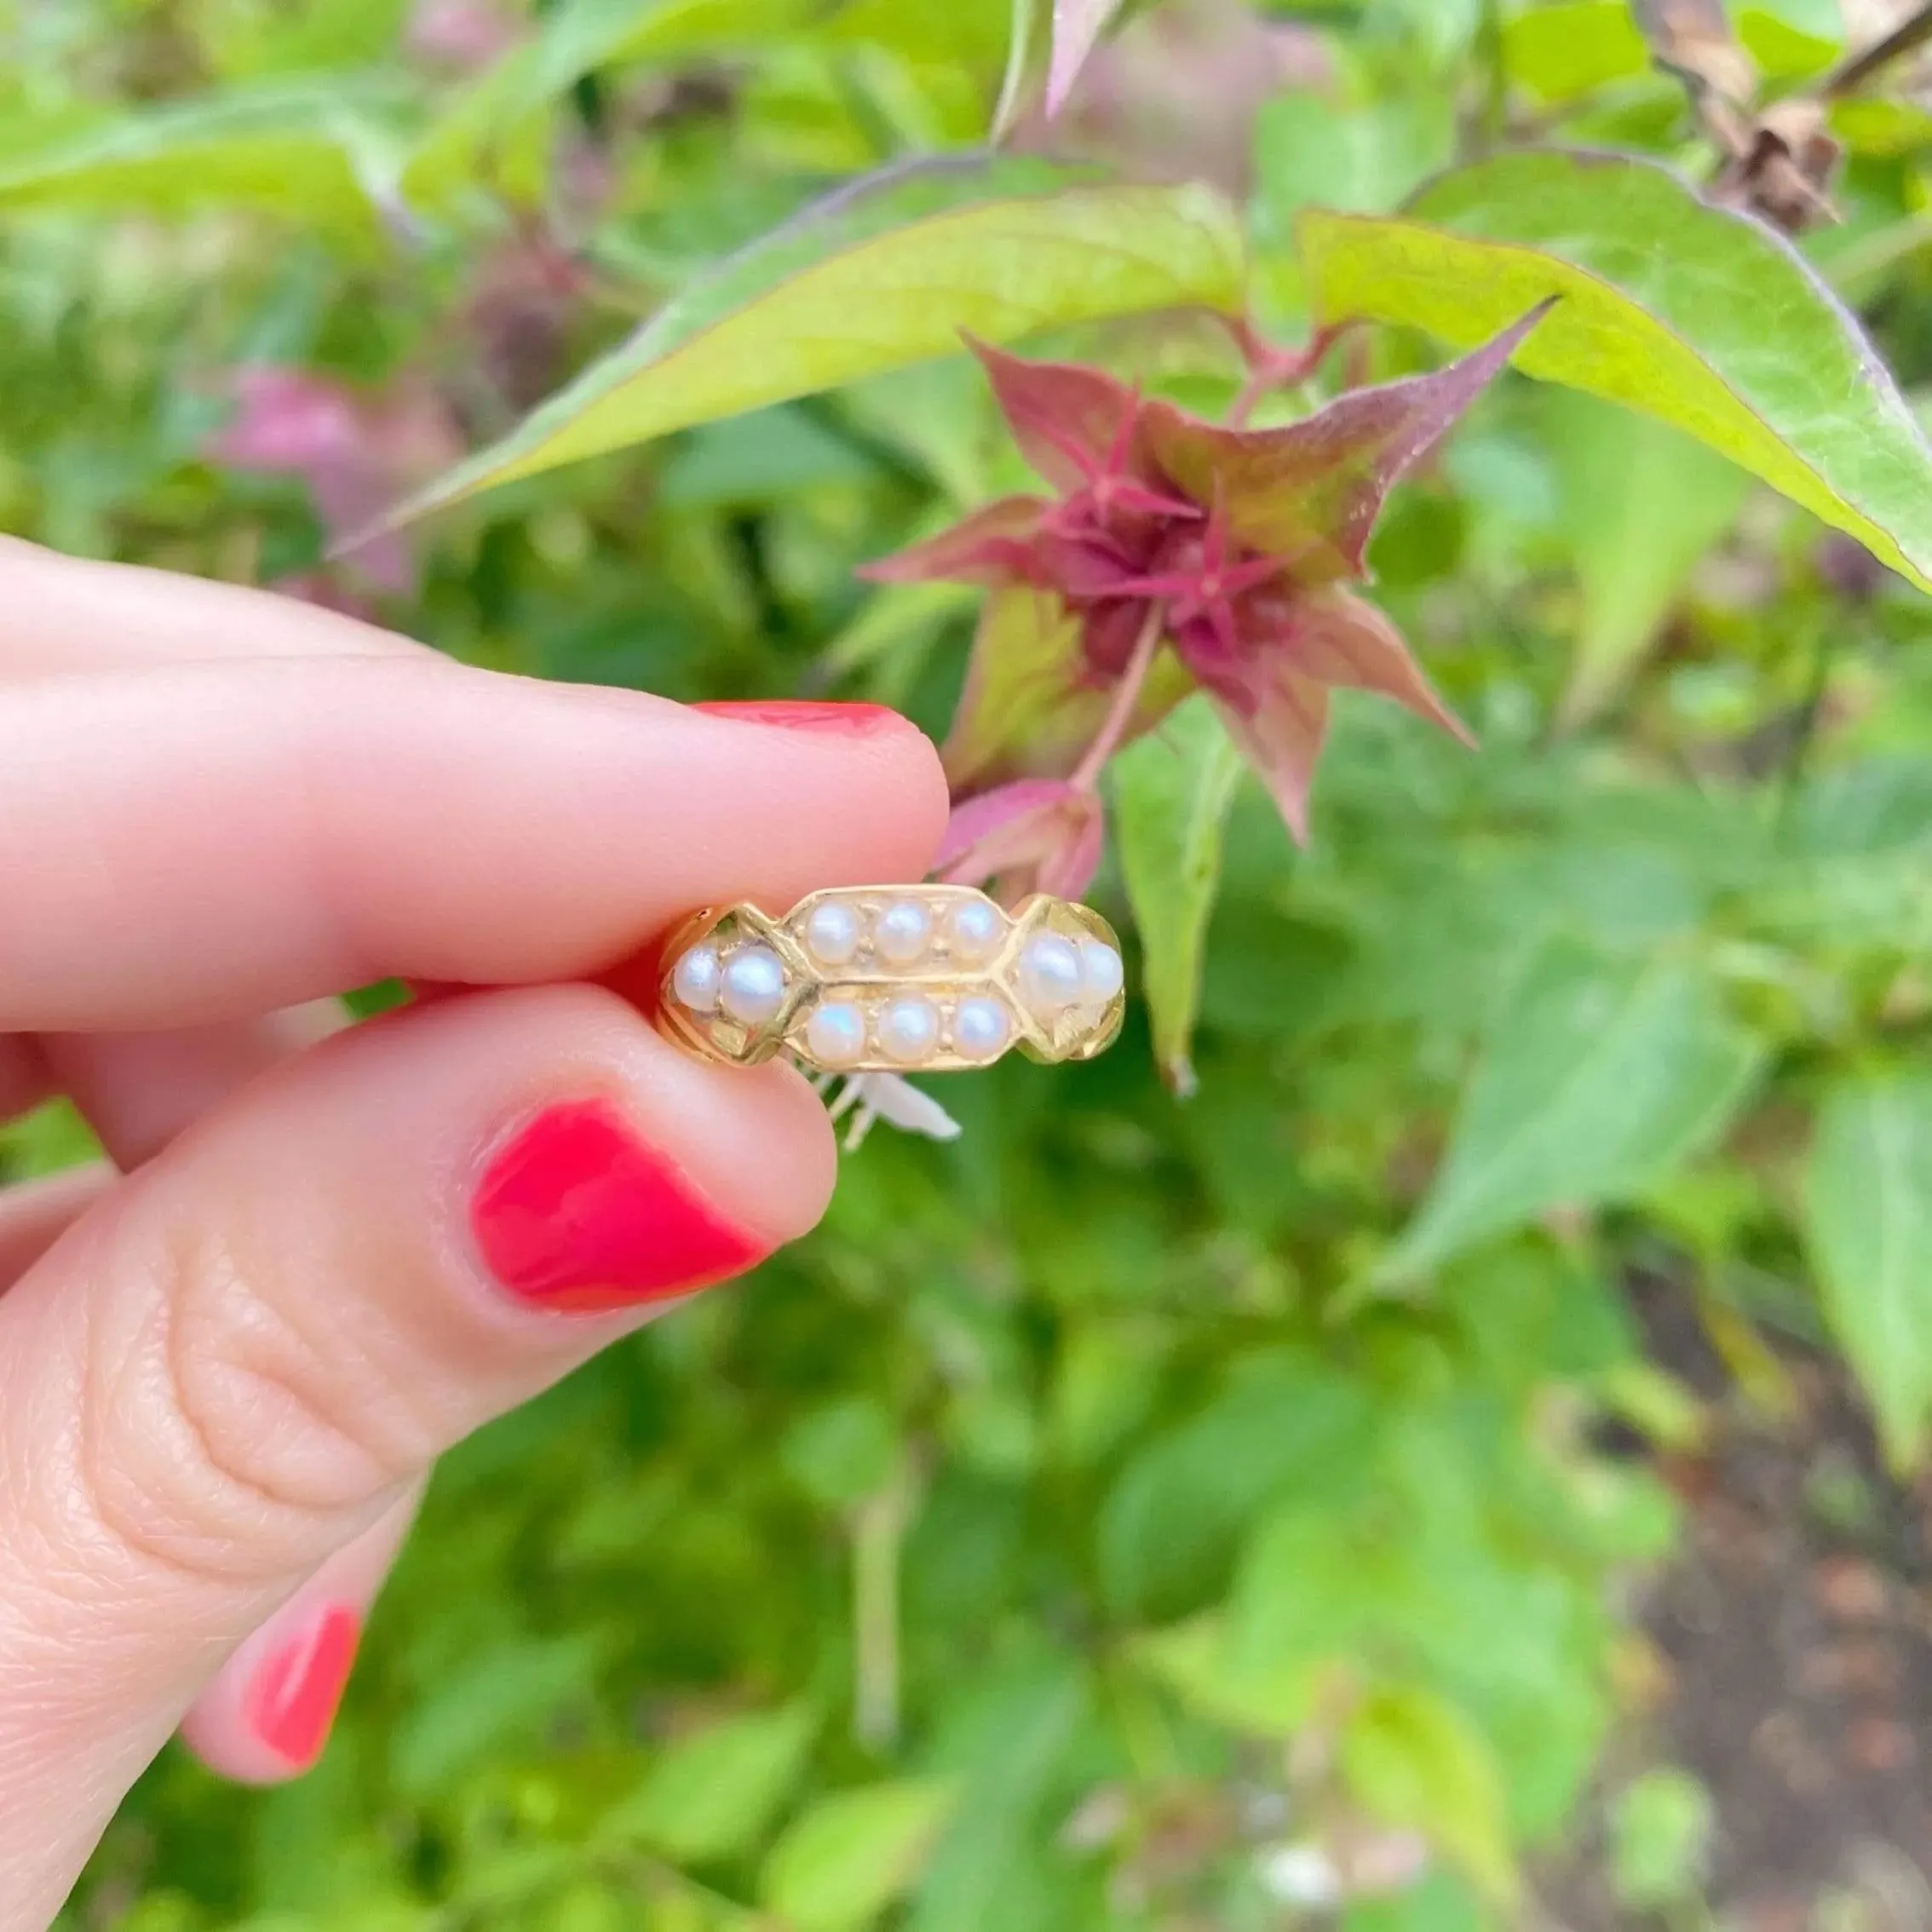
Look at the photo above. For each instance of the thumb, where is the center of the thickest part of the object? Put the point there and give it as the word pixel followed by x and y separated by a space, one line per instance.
pixel 241 1359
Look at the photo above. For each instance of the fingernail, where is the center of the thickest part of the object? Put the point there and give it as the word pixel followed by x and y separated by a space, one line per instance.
pixel 576 1212
pixel 800 714
pixel 294 1696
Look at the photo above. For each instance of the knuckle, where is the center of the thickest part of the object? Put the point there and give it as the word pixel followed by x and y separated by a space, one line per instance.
pixel 226 1435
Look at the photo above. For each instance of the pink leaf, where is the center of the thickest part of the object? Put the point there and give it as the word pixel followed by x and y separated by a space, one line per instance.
pixel 1076 28
pixel 1310 492
pixel 356 454
pixel 1049 833
pixel 287 422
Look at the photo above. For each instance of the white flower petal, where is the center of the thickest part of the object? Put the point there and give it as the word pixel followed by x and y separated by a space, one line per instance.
pixel 1301 1874
pixel 885 1096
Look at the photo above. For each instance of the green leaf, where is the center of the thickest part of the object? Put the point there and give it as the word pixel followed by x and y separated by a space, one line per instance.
pixel 1008 1738
pixel 848 1857
pixel 1286 1424
pixel 54 1137
pixel 886 273
pixel 1310 149
pixel 1439 1902
pixel 1659 1835
pixel 511 1693
pixel 1664 310
pixel 1263 1697
pixel 1868 1221
pixel 1409 1758
pixel 1029 46
pixel 501 116
pixel 1642 503
pixel 1171 795
pixel 895 619
pixel 1792 39
pixel 1574 48
pixel 289 149
pixel 713 1795
pixel 842 1453
pixel 1600 1075
pixel 1027 706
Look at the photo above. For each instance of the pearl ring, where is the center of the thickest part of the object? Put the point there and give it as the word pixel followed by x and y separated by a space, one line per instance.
pixel 905 979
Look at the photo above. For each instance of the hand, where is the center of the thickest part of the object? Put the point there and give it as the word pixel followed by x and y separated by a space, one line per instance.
pixel 322 1254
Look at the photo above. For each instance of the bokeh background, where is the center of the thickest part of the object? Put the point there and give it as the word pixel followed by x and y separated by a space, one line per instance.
pixel 1078 1532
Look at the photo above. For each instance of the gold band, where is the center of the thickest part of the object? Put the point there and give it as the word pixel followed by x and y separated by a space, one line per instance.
pixel 923 978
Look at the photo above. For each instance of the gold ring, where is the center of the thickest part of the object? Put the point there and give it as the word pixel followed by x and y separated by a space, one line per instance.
pixel 924 979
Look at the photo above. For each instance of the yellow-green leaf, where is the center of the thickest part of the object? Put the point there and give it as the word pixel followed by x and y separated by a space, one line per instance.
pixel 887 272
pixel 310 154
pixel 1572 47
pixel 712 1795
pixel 1697 315
pixel 1410 1757
pixel 847 1859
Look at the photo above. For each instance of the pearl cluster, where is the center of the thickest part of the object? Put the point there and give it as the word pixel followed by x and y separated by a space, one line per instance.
pixel 903 981
pixel 908 1029
pixel 903 933
pixel 747 984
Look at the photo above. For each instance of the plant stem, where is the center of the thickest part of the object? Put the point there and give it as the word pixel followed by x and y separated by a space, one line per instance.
pixel 1491 120
pixel 1126 695
pixel 876 1550
pixel 1271 368
pixel 1858 68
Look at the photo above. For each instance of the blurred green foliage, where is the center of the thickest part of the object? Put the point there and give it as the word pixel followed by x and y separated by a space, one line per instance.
pixel 1141 1513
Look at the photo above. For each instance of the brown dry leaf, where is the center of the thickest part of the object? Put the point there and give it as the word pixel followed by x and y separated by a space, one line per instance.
pixel 1778 160
pixel 1693 39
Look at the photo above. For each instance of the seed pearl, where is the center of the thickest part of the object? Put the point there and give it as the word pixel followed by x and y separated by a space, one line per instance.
pixel 908 1029
pixel 973 930
pixel 1100 976
pixel 695 978
pixel 902 932
pixel 831 933
pixel 1049 972
pixel 754 985
pixel 835 1035
pixel 980 1029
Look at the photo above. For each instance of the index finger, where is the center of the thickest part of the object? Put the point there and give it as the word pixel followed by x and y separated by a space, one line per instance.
pixel 192 841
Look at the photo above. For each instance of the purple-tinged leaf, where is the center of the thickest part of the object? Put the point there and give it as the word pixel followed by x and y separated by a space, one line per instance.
pixel 1034 834
pixel 989 546
pixel 1338 639
pixel 1309 493
pixel 1079 428
pixel 1076 28
pixel 1280 736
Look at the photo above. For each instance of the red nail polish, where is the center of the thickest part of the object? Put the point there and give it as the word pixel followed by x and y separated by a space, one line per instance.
pixel 576 1212
pixel 294 1696
pixel 801 714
